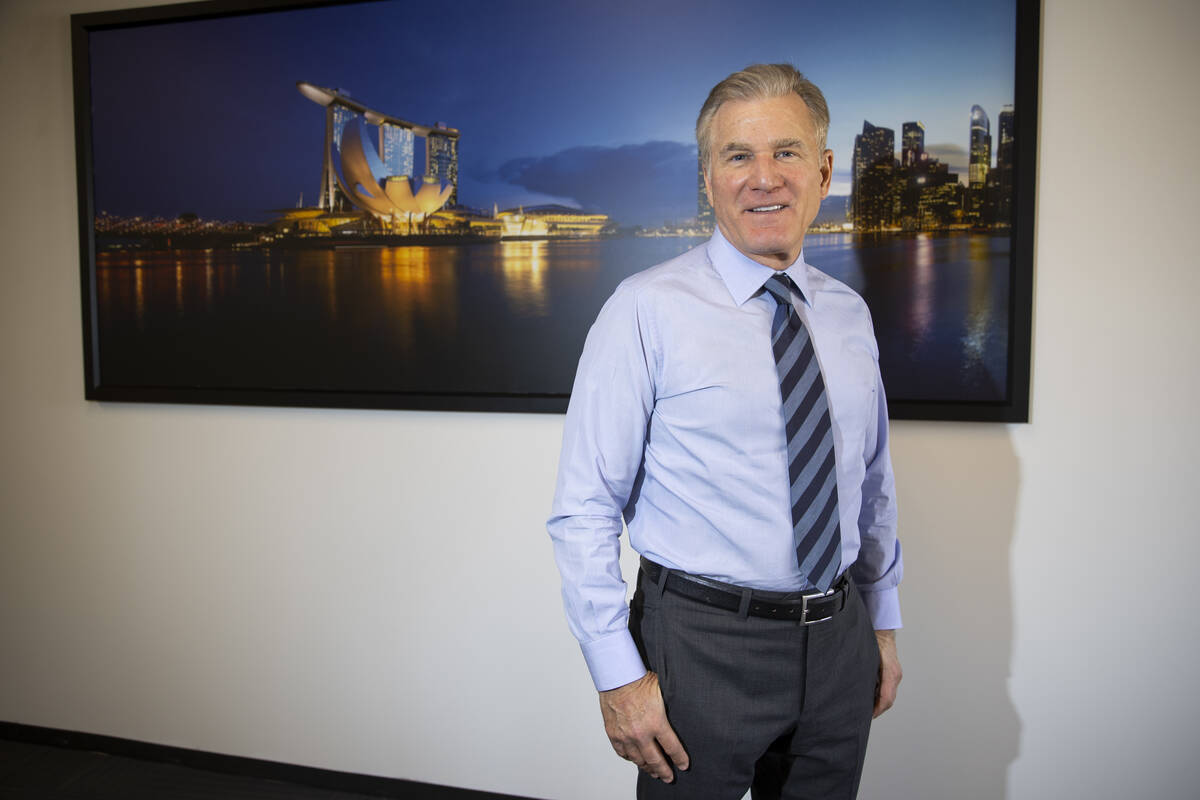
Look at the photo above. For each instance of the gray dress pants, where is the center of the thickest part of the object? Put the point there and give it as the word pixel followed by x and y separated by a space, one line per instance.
pixel 770 705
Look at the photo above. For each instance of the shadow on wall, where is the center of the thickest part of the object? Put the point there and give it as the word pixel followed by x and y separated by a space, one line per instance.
pixel 954 730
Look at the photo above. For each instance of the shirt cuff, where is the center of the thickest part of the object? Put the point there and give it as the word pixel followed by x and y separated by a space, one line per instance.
pixel 613 660
pixel 883 607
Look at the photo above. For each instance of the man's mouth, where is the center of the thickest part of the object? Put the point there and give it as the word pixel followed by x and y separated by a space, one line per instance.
pixel 764 209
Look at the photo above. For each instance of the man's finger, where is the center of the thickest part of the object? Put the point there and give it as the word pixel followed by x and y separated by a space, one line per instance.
pixel 636 722
pixel 655 764
pixel 673 747
pixel 884 700
pixel 890 673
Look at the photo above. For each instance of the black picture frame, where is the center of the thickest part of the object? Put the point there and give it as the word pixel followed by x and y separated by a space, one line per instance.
pixel 1013 407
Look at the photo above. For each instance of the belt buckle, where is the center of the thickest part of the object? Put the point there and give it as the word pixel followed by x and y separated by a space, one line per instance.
pixel 804 620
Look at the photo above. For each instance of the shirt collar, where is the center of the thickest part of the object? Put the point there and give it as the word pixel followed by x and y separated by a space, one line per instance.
pixel 743 276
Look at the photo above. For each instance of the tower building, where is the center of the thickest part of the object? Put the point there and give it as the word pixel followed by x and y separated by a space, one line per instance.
pixel 337 116
pixel 913 144
pixel 872 190
pixel 441 158
pixel 396 148
pixel 1004 166
pixel 705 218
pixel 980 161
pixel 394 143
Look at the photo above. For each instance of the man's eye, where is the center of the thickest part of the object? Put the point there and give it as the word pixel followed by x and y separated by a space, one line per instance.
pixel 738 157
pixel 787 154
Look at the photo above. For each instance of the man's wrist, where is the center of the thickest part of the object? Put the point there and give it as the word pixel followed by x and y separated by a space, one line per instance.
pixel 883 608
pixel 613 660
pixel 625 686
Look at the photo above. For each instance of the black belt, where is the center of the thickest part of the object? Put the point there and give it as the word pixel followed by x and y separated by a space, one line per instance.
pixel 807 609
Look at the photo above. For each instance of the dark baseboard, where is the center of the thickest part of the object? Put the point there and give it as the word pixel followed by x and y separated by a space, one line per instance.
pixel 248 767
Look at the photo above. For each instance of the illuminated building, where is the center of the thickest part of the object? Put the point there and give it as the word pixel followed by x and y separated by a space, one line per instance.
pixel 368 183
pixel 336 117
pixel 980 162
pixel 341 116
pixel 463 220
pixel 705 218
pixel 981 148
pixel 913 145
pixel 376 177
pixel 391 199
pixel 1004 166
pixel 551 221
pixel 441 158
pixel 938 200
pixel 396 148
pixel 873 193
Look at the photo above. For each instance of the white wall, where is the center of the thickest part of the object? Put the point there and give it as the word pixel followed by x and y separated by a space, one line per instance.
pixel 262 581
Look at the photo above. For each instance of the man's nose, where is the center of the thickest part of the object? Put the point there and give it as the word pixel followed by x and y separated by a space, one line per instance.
pixel 766 174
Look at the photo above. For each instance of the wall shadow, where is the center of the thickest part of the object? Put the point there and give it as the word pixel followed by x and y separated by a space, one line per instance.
pixel 955 730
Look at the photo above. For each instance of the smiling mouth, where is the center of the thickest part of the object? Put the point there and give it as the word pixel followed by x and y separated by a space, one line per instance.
pixel 765 209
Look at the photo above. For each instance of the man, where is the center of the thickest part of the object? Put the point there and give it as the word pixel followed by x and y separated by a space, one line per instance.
pixel 735 419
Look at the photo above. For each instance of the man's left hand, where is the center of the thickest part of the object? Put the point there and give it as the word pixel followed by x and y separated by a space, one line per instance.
pixel 889 672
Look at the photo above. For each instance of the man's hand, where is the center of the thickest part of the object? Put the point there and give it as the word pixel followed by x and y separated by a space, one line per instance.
pixel 889 672
pixel 635 720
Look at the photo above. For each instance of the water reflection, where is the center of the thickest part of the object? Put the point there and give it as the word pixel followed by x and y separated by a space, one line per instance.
pixel 923 291
pixel 980 318
pixel 208 279
pixel 524 267
pixel 513 314
pixel 940 308
pixel 330 283
pixel 415 295
pixel 139 281
pixel 835 254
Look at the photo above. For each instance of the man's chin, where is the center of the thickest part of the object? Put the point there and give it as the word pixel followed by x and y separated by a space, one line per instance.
pixel 774 249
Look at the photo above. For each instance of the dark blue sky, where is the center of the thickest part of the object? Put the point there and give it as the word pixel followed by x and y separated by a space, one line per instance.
pixel 585 103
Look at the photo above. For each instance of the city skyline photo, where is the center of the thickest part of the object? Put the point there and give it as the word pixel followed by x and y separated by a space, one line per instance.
pixel 579 105
pixel 386 203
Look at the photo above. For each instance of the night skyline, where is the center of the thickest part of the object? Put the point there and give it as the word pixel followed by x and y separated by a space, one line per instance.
pixel 606 128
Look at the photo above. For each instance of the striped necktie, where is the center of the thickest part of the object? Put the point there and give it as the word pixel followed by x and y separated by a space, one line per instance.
pixel 811 467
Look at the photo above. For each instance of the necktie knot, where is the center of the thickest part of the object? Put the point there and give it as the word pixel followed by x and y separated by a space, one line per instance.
pixel 780 287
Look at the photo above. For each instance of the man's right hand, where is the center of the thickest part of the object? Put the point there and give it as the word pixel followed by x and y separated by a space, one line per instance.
pixel 635 719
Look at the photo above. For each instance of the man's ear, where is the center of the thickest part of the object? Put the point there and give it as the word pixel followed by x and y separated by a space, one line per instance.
pixel 826 173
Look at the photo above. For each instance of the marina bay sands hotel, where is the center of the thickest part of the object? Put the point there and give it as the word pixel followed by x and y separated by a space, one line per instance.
pixel 369 184
pixel 396 145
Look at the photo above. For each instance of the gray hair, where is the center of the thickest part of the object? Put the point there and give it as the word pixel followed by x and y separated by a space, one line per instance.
pixel 758 82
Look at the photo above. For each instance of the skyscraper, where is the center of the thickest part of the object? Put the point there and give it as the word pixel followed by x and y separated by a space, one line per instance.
pixel 913 144
pixel 980 162
pixel 341 117
pixel 337 116
pixel 872 190
pixel 705 218
pixel 441 158
pixel 396 149
pixel 1004 166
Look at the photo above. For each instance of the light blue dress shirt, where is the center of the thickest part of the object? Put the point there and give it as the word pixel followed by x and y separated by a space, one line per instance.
pixel 674 426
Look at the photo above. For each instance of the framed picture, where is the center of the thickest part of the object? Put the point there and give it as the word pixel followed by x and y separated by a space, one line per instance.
pixel 392 204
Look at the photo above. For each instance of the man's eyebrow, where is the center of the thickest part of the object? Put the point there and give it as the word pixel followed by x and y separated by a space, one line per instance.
pixel 742 147
pixel 794 144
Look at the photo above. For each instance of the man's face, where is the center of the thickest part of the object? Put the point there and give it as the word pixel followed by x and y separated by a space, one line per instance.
pixel 766 176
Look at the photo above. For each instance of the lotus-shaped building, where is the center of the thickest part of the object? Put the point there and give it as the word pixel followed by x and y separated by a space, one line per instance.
pixel 378 178
pixel 364 179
